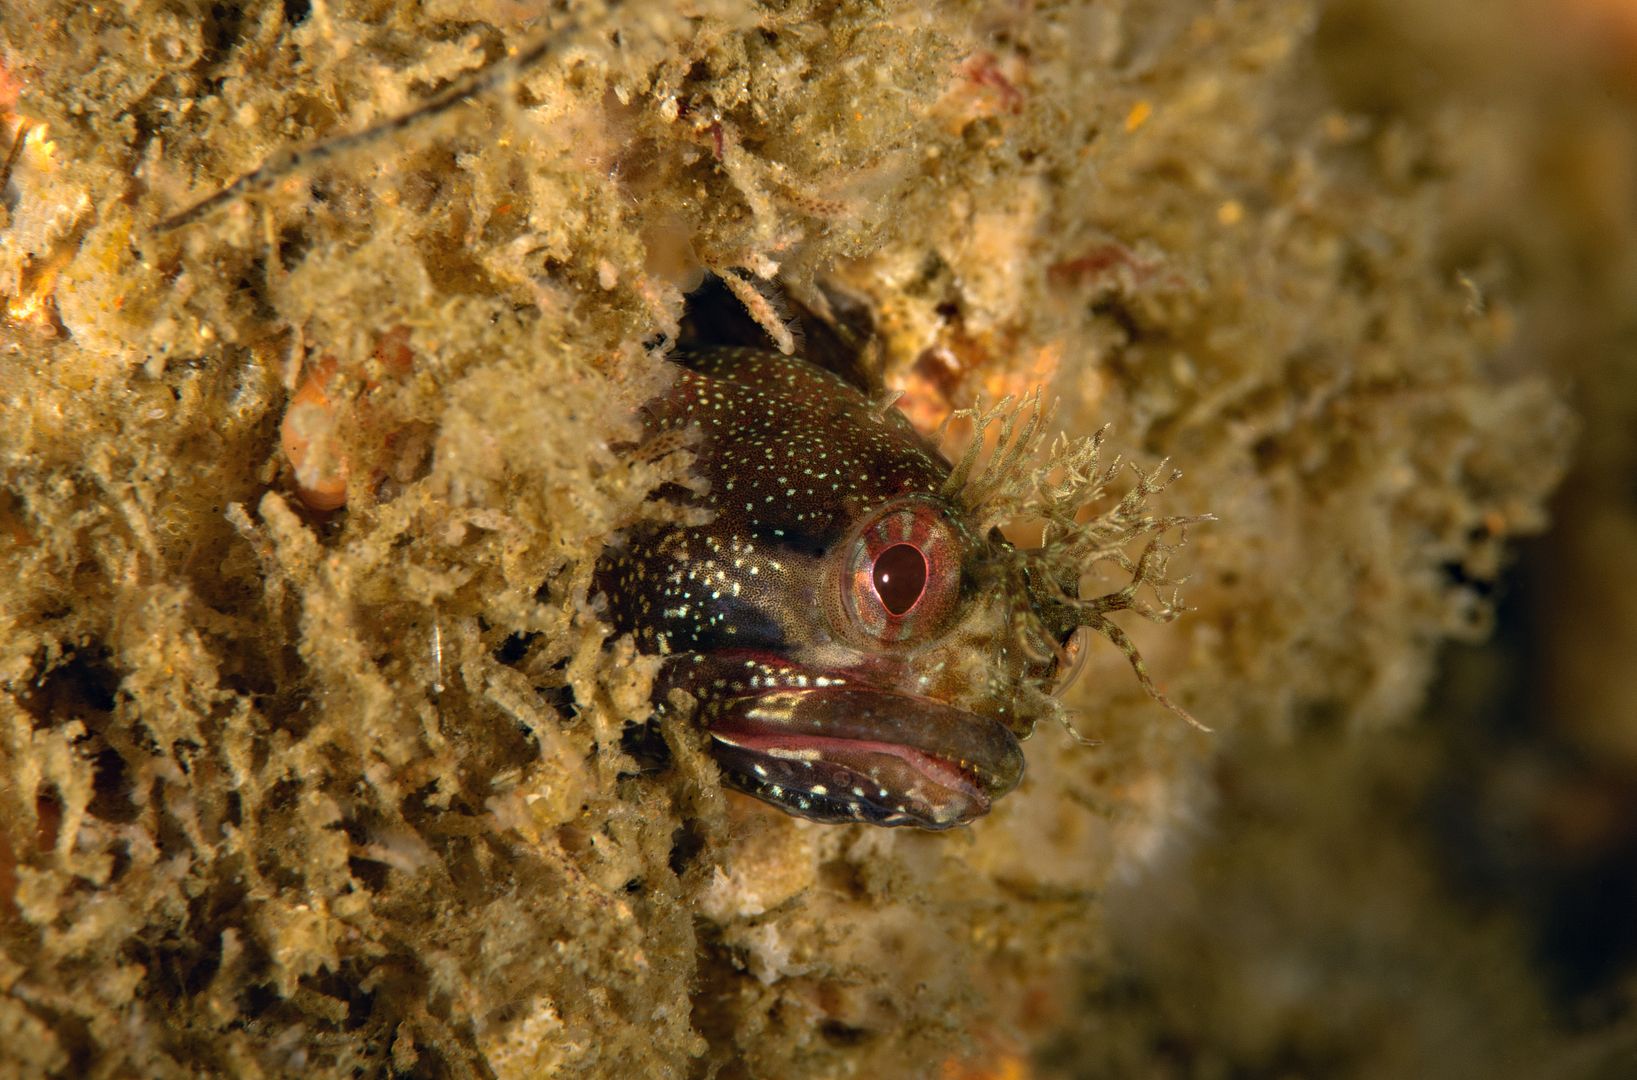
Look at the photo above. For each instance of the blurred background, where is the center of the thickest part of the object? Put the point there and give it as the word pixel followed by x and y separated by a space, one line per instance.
pixel 1462 900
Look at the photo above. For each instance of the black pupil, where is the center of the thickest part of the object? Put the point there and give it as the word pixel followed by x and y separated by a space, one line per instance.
pixel 900 577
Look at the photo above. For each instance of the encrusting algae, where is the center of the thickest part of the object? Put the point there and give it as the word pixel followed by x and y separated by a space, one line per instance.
pixel 318 752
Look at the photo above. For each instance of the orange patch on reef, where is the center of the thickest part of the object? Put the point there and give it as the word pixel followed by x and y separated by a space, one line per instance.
pixel 26 146
pixel 10 88
pixel 314 432
pixel 1002 1066
pixel 312 440
pixel 954 374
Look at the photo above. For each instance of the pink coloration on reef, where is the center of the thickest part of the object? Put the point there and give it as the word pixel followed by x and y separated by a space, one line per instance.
pixel 984 70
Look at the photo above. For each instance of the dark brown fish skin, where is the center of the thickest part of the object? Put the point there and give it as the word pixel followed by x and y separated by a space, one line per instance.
pixel 818 698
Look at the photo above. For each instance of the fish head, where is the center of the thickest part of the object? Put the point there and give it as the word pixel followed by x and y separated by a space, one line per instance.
pixel 858 650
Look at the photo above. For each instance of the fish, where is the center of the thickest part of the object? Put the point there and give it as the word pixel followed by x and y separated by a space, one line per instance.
pixel 857 646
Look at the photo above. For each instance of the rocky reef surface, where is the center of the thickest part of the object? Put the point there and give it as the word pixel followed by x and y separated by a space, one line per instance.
pixel 316 755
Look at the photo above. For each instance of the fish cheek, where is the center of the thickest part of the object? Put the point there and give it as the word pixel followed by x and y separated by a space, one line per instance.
pixel 977 664
pixel 772 610
pixel 740 623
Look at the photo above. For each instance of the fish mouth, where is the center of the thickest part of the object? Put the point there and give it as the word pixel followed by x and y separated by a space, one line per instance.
pixel 865 754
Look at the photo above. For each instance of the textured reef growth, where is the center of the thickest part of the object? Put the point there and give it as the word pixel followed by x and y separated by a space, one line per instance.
pixel 286 789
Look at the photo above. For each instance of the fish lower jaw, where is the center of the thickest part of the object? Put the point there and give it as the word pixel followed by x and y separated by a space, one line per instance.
pixel 852 780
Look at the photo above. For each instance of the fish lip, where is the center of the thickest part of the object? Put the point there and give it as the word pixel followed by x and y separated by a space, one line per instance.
pixel 866 753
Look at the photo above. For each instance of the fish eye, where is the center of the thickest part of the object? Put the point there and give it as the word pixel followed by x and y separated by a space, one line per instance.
pixel 900 577
pixel 902 573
